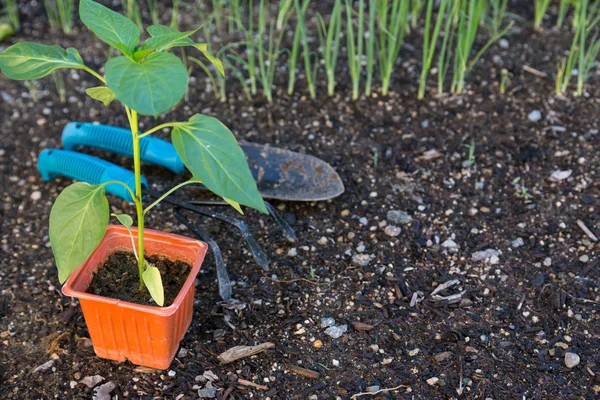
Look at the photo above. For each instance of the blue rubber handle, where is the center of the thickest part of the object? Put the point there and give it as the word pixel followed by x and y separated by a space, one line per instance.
pixel 118 140
pixel 86 168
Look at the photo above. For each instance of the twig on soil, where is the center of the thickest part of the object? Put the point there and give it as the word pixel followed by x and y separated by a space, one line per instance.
pixel 239 352
pixel 303 371
pixel 586 230
pixel 295 280
pixel 534 71
pixel 244 382
pixel 55 342
pixel 357 395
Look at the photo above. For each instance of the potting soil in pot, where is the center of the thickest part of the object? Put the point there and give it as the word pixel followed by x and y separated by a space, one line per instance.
pixel 118 278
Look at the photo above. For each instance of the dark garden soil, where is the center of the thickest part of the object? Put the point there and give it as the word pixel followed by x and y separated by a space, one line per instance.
pixel 118 278
pixel 501 331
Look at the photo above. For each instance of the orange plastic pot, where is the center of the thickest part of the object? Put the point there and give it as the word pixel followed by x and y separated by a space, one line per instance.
pixel 144 335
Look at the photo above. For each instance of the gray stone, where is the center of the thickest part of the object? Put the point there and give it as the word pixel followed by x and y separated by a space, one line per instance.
pixel 534 116
pixel 399 217
pixel 392 230
pixel 572 359
pixel 209 391
pixel 335 332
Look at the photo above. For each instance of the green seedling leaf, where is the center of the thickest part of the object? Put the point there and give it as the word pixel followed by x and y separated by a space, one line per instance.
pixel 149 87
pixel 111 27
pixel 210 151
pixel 6 30
pixel 203 47
pixel 78 222
pixel 168 40
pixel 153 281
pixel 101 93
pixel 157 31
pixel 28 61
pixel 127 222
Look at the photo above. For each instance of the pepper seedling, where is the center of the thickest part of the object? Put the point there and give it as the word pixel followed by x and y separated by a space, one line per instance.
pixel 147 80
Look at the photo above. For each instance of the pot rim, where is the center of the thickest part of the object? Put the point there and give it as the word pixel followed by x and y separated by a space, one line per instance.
pixel 149 235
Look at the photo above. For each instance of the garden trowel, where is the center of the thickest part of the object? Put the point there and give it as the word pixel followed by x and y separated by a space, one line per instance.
pixel 280 174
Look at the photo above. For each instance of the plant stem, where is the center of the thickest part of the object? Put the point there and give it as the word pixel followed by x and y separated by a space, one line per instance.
pixel 97 75
pixel 169 192
pixel 157 128
pixel 133 122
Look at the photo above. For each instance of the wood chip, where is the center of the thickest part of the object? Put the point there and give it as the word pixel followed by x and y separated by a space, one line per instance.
pixel 303 394
pixel 534 71
pixel 145 370
pixel 303 371
pixel 444 286
pixel 586 230
pixel 429 155
pixel 361 326
pixel 239 352
pixel 244 382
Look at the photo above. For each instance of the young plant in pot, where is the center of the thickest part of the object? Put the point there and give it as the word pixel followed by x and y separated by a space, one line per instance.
pixel 147 80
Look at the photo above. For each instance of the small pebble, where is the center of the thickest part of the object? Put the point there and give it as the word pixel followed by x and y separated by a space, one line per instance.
pixel 450 244
pixel 335 332
pixel 317 344
pixel 322 241
pixel 560 175
pixel 547 261
pixel 433 381
pixel 503 43
pixel 373 389
pixel 335 363
pixel 327 322
pixel 413 352
pixel 399 217
pixel 172 373
pixel 35 196
pixel 361 260
pixel 392 230
pixel 293 252
pixel 572 360
pixel 584 258
pixel 518 242
pixel 363 221
pixel 484 254
pixel 534 116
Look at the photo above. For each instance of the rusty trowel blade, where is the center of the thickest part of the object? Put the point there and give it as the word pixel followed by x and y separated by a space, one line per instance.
pixel 286 175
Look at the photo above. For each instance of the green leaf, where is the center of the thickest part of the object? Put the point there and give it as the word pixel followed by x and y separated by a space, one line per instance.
pixel 203 47
pixel 125 220
pixel 28 61
pixel 78 222
pixel 168 40
pixel 111 27
pixel 209 150
pixel 153 281
pixel 234 204
pixel 162 30
pixel 150 87
pixel 101 93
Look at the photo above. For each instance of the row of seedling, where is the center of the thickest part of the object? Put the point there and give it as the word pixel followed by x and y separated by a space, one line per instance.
pixel 287 39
